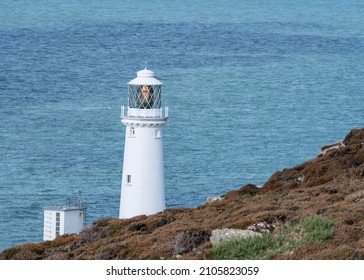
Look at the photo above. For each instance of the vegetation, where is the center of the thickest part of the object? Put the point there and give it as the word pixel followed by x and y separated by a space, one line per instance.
pixel 310 230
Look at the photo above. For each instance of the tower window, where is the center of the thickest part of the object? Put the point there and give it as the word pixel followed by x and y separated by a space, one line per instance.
pixel 128 179
pixel 157 133
pixel 132 131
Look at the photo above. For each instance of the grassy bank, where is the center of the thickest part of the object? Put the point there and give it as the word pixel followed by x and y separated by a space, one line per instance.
pixel 310 230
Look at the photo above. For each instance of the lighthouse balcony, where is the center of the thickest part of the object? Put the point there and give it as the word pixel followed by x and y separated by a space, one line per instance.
pixel 160 113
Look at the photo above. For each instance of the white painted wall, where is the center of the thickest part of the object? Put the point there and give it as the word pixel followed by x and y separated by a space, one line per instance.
pixel 70 221
pixel 49 229
pixel 73 221
pixel 143 161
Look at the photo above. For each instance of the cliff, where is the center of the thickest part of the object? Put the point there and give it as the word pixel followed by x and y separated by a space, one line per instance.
pixel 330 186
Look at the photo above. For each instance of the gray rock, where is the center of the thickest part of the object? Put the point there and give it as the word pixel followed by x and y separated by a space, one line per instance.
pixel 219 236
pixel 213 198
pixel 335 146
pixel 252 228
pixel 262 227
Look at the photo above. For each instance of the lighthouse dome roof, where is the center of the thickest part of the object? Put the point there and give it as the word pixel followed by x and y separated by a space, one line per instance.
pixel 145 77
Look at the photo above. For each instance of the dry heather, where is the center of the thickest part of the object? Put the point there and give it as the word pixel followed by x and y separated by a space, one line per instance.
pixel 331 186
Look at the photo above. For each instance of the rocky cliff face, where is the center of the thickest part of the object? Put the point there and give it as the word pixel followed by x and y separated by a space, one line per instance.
pixel 331 186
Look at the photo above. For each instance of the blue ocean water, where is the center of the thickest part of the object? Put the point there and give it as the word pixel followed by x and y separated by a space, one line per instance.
pixel 251 88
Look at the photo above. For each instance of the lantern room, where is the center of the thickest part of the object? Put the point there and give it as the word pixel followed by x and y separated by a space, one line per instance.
pixel 144 92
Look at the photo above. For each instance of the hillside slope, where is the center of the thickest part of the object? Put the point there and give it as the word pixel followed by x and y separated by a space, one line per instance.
pixel 331 186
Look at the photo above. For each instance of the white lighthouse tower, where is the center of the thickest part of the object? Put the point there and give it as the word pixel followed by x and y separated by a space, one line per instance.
pixel 142 184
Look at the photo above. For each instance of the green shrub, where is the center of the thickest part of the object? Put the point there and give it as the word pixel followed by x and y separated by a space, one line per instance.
pixel 252 248
pixel 310 230
pixel 115 228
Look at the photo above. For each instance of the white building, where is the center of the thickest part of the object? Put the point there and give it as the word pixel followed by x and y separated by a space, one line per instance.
pixel 60 220
pixel 142 186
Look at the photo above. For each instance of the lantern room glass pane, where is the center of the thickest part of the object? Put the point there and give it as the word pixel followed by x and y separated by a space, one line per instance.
pixel 145 96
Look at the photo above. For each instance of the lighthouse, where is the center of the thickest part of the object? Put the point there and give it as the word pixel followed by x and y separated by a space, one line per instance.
pixel 142 183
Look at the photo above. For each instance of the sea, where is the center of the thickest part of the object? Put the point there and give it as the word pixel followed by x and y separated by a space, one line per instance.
pixel 252 87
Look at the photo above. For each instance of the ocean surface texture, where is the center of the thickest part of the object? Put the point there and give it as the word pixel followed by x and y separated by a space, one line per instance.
pixel 252 87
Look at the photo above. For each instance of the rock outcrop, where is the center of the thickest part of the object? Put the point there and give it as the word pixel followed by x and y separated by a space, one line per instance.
pixel 220 236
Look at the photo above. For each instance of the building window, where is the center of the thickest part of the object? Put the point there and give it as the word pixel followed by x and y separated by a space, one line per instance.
pixel 128 179
pixel 58 222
